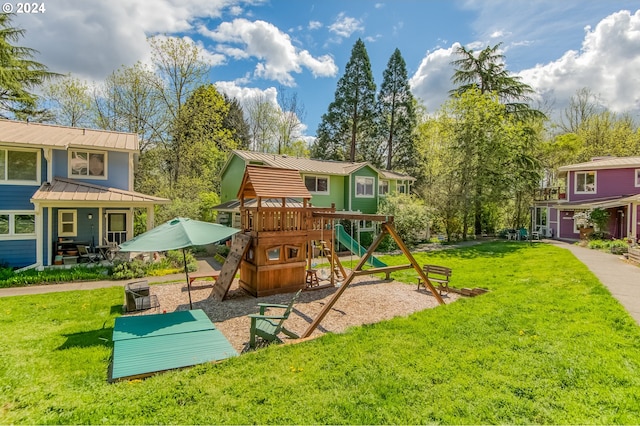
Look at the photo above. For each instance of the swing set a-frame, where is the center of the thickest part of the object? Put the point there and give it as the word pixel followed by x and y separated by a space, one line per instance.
pixel 387 228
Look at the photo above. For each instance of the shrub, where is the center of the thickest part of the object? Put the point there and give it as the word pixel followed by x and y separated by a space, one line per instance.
pixel 128 270
pixel 9 278
pixel 410 216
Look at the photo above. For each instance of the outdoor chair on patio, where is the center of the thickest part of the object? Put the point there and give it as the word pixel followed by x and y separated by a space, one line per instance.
pixel 137 297
pixel 85 254
pixel 267 327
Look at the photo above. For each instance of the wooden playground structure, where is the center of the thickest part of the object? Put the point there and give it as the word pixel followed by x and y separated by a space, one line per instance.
pixel 280 228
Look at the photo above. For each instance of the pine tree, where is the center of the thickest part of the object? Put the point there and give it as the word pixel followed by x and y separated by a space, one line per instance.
pixel 348 129
pixel 19 73
pixel 397 116
pixel 234 120
pixel 486 71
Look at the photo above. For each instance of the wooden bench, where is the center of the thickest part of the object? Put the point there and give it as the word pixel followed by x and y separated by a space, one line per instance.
pixel 436 274
pixel 212 274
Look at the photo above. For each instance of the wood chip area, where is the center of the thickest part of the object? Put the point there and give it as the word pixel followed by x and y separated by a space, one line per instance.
pixel 367 300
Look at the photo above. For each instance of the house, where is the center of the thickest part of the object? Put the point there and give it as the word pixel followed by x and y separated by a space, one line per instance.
pixel 61 187
pixel 354 187
pixel 610 183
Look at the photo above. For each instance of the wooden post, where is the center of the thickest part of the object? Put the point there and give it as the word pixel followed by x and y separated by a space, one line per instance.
pixel 392 231
pixel 387 228
pixel 341 290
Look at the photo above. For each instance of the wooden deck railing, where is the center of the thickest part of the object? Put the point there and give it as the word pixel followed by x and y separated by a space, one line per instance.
pixel 550 194
pixel 280 219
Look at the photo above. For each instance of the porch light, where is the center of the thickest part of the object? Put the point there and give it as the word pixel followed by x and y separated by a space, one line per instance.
pixel 89 216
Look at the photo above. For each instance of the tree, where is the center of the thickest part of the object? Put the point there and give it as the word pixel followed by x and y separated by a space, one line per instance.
pixel 19 73
pixel 236 122
pixel 70 101
pixel 129 101
pixel 180 68
pixel 289 125
pixel 263 118
pixel 348 129
pixel 201 142
pixel 582 106
pixel 489 161
pixel 486 72
pixel 396 112
pixel 201 146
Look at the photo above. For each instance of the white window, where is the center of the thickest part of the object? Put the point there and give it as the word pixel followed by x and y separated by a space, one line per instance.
pixel 317 184
pixel 67 223
pixel 364 187
pixel 383 187
pixel 17 225
pixel 585 182
pixel 19 166
pixel 637 177
pixel 88 164
pixel 402 188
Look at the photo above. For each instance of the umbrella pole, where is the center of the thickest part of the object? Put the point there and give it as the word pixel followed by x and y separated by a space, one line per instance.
pixel 186 272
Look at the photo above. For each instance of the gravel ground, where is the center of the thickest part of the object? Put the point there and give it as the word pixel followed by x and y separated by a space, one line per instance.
pixel 367 300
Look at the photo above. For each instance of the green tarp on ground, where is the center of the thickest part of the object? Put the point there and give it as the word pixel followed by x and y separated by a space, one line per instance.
pixel 147 344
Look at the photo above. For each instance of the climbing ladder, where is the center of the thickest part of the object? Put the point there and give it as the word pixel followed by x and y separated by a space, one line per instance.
pixel 328 252
pixel 230 266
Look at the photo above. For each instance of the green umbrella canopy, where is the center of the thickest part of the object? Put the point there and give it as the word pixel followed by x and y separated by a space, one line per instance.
pixel 178 233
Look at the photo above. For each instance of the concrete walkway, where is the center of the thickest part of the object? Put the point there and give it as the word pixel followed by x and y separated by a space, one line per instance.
pixel 620 277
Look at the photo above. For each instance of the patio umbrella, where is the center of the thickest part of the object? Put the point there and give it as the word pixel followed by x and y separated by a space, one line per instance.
pixel 179 233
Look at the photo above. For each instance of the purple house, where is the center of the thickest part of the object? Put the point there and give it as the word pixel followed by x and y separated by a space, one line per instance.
pixel 610 183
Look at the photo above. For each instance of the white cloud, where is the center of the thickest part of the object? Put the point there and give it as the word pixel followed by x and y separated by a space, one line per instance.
pixel 236 10
pixel 431 83
pixel 608 64
pixel 245 94
pixel 273 48
pixel 344 26
pixel 315 25
pixel 91 39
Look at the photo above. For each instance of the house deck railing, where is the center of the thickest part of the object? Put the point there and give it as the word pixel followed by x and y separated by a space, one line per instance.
pixel 550 194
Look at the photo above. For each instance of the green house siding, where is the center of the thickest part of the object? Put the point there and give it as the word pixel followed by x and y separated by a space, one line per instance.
pixel 336 192
pixel 231 179
pixel 362 203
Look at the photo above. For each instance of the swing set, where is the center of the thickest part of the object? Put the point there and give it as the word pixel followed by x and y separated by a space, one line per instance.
pixel 387 228
pixel 280 228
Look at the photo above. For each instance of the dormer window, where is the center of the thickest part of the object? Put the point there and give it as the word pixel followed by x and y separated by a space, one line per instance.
pixel 585 183
pixel 87 164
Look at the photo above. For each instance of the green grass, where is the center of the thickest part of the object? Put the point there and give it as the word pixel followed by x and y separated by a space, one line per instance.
pixel 548 344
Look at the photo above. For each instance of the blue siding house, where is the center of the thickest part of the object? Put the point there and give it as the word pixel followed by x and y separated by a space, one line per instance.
pixel 64 186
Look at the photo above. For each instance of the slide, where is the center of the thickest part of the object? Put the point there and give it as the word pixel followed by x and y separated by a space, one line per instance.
pixel 346 240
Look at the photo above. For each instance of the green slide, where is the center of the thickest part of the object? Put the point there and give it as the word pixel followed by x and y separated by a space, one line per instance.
pixel 353 246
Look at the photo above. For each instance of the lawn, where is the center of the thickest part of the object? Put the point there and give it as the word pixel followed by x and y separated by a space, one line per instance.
pixel 548 344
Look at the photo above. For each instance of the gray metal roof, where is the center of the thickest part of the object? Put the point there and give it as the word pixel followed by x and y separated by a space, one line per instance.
pixel 66 190
pixel 46 135
pixel 604 163
pixel 308 165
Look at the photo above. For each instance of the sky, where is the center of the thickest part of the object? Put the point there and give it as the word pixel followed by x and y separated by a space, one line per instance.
pixel 301 47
